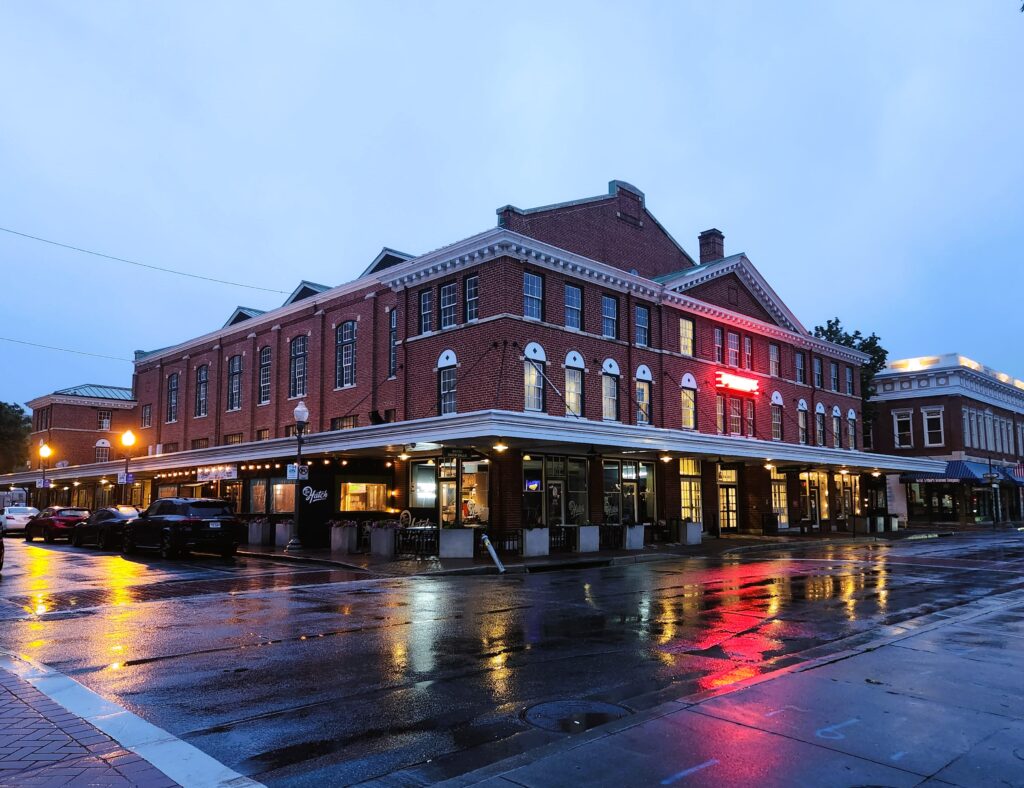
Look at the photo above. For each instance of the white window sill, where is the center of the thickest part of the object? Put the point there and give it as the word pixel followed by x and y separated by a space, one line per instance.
pixel 343 388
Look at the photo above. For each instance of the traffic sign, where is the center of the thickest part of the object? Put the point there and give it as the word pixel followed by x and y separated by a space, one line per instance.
pixel 125 478
pixel 300 472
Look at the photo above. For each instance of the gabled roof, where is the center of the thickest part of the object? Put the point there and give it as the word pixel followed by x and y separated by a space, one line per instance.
pixel 305 290
pixel 97 391
pixel 387 258
pixel 740 265
pixel 242 313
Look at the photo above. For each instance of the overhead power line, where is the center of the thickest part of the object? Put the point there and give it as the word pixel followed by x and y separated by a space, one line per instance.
pixel 64 349
pixel 141 265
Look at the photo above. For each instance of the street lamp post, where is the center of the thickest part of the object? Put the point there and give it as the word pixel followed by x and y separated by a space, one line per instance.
pixel 301 414
pixel 44 453
pixel 127 441
pixel 993 479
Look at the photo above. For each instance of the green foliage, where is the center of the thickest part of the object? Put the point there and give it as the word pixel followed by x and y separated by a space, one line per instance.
pixel 834 332
pixel 15 426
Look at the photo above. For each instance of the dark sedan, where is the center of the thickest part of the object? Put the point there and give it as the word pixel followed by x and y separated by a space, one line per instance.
pixel 54 522
pixel 104 528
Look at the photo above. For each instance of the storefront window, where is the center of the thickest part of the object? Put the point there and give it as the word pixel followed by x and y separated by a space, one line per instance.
pixel 646 497
pixel 424 485
pixel 167 491
pixel 533 492
pixel 257 496
pixel 475 510
pixel 232 492
pixel 612 493
pixel 848 487
pixel 690 490
pixel 814 495
pixel 363 497
pixel 779 497
pixel 283 497
pixel 576 503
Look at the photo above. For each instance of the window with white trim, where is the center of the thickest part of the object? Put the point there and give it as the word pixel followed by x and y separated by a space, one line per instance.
pixel 573 307
pixel 735 416
pixel 447 390
pixel 748 353
pixel 903 429
pixel 609 317
pixel 298 352
pixel 234 383
pixel 103 420
pixel 688 408
pixel 471 301
pixel 345 354
pixel 719 414
pixel 573 391
pixel 801 419
pixel 849 381
pixel 837 431
pixel 102 454
pixel 800 367
pixel 686 336
pixel 609 397
pixel 718 345
pixel 690 507
pixel 172 398
pixel 643 326
pixel 533 384
pixel 202 391
pixel 776 422
pixel 734 349
pixel 426 311
pixel 643 402
pixel 934 427
pixel 834 375
pixel 147 416
pixel 533 295
pixel 264 396
pixel 851 430
pixel 750 417
pixel 774 361
pixel 449 303
pixel 819 378
pixel 393 343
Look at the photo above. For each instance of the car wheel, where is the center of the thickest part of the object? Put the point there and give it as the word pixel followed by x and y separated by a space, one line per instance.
pixel 48 536
pixel 127 547
pixel 76 538
pixel 167 550
pixel 28 535
pixel 103 541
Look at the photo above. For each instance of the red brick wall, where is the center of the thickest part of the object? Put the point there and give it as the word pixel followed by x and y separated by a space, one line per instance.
pixel 730 293
pixel 74 431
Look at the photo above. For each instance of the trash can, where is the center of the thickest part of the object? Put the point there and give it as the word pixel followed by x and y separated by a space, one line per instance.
pixel 770 524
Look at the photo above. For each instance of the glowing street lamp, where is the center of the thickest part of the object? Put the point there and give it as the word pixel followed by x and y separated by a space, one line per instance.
pixel 301 414
pixel 127 441
pixel 44 454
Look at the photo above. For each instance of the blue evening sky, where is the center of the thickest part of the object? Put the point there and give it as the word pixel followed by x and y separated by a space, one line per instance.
pixel 868 156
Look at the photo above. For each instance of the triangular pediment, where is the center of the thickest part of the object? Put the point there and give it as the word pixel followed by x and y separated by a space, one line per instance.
pixel 734 283
pixel 305 290
pixel 241 314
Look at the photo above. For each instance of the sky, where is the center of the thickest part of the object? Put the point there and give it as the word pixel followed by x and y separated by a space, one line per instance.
pixel 868 157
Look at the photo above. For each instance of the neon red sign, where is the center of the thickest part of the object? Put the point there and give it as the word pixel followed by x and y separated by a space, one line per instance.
pixel 727 380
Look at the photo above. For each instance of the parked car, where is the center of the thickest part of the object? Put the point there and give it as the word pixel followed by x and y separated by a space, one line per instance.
pixel 1 555
pixel 104 528
pixel 176 526
pixel 54 522
pixel 13 518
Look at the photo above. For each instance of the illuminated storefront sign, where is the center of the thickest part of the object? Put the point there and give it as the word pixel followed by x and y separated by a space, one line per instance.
pixel 727 380
pixel 214 472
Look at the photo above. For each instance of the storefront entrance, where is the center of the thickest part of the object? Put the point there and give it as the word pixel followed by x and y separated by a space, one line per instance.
pixel 728 499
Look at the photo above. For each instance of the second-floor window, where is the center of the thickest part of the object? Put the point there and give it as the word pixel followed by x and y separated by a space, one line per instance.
pixel 774 361
pixel 801 420
pixel 447 390
pixel 202 391
pixel 837 431
pixel 264 394
pixel 643 402
pixel 686 336
pixel 718 345
pixel 298 357
pixel 471 285
pixel 573 307
pixel 734 349
pixel 834 375
pixel 609 397
pixel 643 326
pixel 610 317
pixel 903 429
pixel 573 391
pixel 426 311
pixel 449 297
pixel 719 413
pixel 849 381
pixel 819 429
pixel 748 353
pixel 172 398
pixel 735 416
pixel 103 420
pixel 851 431
pixel 533 385
pixel 819 379
pixel 934 434
pixel 393 343
pixel 776 422
pixel 749 407
pixel 102 453
pixel 345 354
pixel 235 383
pixel 533 295
pixel 147 416
pixel 800 368
pixel 688 406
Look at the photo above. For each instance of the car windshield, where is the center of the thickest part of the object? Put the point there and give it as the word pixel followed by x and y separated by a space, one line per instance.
pixel 72 512
pixel 21 510
pixel 209 508
pixel 127 511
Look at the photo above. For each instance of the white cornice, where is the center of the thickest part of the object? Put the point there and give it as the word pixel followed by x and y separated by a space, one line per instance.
pixel 89 402
pixel 958 382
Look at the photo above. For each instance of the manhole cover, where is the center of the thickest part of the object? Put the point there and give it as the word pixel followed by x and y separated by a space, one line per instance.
pixel 573 716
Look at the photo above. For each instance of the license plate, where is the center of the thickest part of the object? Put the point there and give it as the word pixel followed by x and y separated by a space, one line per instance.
pixel 215 525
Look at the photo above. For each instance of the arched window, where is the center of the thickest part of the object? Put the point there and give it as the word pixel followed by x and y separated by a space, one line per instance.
pixel 202 390
pixel 688 402
pixel 172 397
pixel 643 394
pixel 447 368
pixel 610 390
pixel 264 375
pixel 777 405
pixel 819 425
pixel 574 368
pixel 801 419
pixel 837 427
pixel 298 357
pixel 534 360
pixel 102 450
pixel 345 354
pixel 851 429
pixel 235 383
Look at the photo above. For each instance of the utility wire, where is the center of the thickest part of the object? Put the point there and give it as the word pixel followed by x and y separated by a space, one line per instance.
pixel 141 265
pixel 63 349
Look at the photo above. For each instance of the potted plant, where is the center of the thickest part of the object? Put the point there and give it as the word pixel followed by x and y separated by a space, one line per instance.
pixel 536 540
pixel 283 532
pixel 261 532
pixel 344 536
pixel 382 538
pixel 456 542
pixel 588 539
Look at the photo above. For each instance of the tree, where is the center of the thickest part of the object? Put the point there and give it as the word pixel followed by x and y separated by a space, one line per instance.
pixel 15 426
pixel 834 332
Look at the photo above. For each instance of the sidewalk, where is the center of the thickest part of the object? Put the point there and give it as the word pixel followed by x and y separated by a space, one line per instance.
pixel 45 746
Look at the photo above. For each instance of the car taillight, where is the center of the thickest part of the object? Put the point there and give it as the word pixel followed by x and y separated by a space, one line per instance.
pixel 10 517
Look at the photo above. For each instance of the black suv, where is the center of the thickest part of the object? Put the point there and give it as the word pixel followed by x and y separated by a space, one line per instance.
pixel 175 526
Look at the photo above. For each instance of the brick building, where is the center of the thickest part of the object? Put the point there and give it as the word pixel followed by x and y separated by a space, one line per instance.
pixel 573 365
pixel 954 409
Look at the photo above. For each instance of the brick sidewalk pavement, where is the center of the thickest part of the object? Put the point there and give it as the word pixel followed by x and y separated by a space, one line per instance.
pixel 42 745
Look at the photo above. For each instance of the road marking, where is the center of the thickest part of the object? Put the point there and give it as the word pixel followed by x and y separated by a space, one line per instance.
pixel 687 772
pixel 179 760
pixel 784 708
pixel 832 731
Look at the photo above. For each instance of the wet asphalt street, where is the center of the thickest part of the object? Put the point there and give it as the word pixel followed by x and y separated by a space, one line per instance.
pixel 303 675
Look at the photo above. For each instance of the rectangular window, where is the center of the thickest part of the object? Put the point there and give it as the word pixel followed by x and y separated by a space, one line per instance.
pixel 426 311
pixel 103 418
pixel 264 376
pixel 449 297
pixel 609 317
pixel 967 428
pixel 748 353
pixel 235 383
pixel 718 345
pixel 849 381
pixel 776 422
pixel 801 370
pixel 735 416
pixel 834 375
pixel 471 297
pixel 903 429
pixel 202 391
pixel 392 343
pixel 533 385
pixel 688 403
pixel 819 429
pixel 263 434
pixel 686 336
pixel 448 401
pixel 851 433
pixel 233 439
pixel 734 349
pixel 345 354
pixel 172 397
pixel 819 379
pixel 643 326
pixel 102 453
pixel 363 497
pixel 200 443
pixel 345 422
pixel 719 414
pixel 934 434
pixel 801 417
pixel 573 307
pixel 837 432
pixel 573 391
pixel 869 435
pixel 610 397
pixel 643 402
pixel 297 366
pixel 147 416
pixel 750 418
pixel 774 361
pixel 283 497
pixel 170 448
pixel 533 296
pixel 689 490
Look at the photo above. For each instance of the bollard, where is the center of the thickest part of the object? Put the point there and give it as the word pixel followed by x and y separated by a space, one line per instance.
pixel 494 555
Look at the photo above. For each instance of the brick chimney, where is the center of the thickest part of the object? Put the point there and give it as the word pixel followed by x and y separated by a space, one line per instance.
pixel 712 245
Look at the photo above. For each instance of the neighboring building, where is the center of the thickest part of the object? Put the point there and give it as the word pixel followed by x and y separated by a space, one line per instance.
pixel 573 365
pixel 954 409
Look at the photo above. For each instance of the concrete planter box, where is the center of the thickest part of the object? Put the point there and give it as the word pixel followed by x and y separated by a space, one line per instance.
pixel 693 533
pixel 283 533
pixel 261 533
pixel 382 542
pixel 344 539
pixel 894 522
pixel 456 542
pixel 536 541
pixel 634 537
pixel 589 539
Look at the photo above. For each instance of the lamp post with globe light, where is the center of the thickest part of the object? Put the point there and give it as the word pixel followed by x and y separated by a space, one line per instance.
pixel 301 414
pixel 127 441
pixel 44 454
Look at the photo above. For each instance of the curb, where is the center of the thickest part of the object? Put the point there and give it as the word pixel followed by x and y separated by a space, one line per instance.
pixel 301 559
